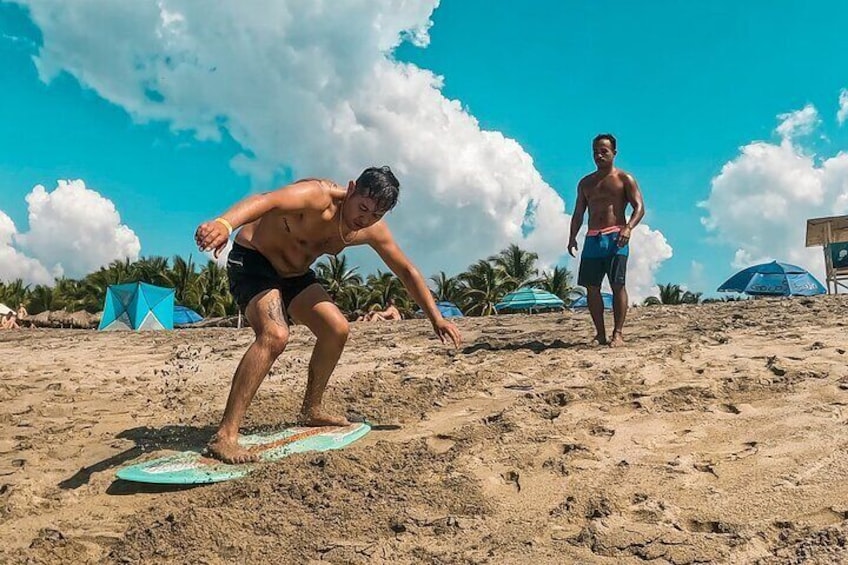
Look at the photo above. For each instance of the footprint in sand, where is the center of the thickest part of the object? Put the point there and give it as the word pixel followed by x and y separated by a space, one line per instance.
pixel 751 448
pixel 728 408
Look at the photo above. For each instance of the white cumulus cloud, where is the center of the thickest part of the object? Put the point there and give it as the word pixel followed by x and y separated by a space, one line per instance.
pixel 73 231
pixel 312 88
pixel 798 123
pixel 760 200
pixel 13 263
pixel 649 250
pixel 842 113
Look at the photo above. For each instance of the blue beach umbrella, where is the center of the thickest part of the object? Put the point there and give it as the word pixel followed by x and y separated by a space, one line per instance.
pixel 583 302
pixel 448 310
pixel 773 279
pixel 529 299
pixel 184 316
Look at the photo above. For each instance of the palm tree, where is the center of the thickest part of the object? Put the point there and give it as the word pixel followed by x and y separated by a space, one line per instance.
pixel 670 293
pixel 41 299
pixel 518 265
pixel 385 287
pixel 213 296
pixel 183 278
pixel 14 293
pixel 354 300
pixel 673 294
pixel 484 286
pixel 448 289
pixel 691 297
pixel 152 270
pixel 558 283
pixel 337 276
pixel 68 294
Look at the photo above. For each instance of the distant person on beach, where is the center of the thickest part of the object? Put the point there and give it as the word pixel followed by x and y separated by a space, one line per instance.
pixel 390 313
pixel 9 322
pixel 282 233
pixel 22 312
pixel 606 194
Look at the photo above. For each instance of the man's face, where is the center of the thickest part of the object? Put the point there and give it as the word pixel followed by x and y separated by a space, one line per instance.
pixel 603 153
pixel 361 211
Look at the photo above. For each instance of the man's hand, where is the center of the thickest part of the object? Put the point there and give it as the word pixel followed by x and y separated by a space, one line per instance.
pixel 446 330
pixel 624 236
pixel 212 236
pixel 572 247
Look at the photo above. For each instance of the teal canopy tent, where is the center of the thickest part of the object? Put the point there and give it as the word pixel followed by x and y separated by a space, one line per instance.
pixel 138 306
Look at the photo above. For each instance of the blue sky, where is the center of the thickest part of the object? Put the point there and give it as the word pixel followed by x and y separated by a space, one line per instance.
pixel 683 86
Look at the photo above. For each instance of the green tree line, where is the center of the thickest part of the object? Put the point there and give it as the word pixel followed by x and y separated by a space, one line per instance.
pixel 204 288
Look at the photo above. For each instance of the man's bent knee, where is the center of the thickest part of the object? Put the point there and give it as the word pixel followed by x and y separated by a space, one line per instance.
pixel 338 332
pixel 274 339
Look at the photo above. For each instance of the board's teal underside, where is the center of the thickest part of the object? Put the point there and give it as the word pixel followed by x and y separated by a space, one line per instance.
pixel 192 467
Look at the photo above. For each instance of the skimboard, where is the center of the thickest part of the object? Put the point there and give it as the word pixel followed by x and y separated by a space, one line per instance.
pixel 193 467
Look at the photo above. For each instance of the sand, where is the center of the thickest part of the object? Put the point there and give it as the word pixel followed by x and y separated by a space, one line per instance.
pixel 718 435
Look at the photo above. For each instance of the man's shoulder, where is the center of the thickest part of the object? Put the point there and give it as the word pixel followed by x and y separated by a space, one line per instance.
pixel 317 194
pixel 587 180
pixel 624 175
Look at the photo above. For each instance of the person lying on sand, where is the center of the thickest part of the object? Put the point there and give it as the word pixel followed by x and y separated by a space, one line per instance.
pixel 390 313
pixel 282 233
pixel 606 193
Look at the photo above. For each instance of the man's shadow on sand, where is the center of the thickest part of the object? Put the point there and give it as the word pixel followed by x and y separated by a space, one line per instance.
pixel 534 345
pixel 147 439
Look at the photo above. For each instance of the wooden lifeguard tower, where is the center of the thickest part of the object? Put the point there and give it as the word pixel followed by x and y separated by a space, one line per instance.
pixel 832 234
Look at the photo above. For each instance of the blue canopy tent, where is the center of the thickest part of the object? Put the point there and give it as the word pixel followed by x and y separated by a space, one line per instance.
pixel 137 306
pixel 529 299
pixel 773 279
pixel 448 310
pixel 184 316
pixel 582 302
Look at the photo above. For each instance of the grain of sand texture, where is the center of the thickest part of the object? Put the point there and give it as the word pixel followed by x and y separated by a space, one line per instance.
pixel 717 436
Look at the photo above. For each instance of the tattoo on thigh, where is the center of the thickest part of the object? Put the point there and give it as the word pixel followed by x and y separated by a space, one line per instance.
pixel 275 312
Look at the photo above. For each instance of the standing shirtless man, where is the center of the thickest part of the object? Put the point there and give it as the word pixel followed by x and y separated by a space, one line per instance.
pixel 606 193
pixel 282 233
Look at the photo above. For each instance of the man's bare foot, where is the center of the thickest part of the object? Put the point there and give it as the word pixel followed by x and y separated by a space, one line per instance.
pixel 617 340
pixel 599 340
pixel 229 451
pixel 317 417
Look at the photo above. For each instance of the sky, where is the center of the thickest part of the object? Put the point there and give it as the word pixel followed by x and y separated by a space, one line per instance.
pixel 123 125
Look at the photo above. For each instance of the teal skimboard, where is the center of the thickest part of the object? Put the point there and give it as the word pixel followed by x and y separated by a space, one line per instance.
pixel 193 467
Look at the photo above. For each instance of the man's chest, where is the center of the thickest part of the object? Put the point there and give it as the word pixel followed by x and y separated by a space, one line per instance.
pixel 609 189
pixel 311 236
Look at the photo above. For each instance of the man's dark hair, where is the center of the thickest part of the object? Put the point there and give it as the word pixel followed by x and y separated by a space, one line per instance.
pixel 381 184
pixel 608 136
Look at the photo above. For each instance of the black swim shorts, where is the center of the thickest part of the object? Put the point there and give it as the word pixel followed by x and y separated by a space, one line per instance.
pixel 250 273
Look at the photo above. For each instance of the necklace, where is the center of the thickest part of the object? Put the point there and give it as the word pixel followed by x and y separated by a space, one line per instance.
pixel 341 216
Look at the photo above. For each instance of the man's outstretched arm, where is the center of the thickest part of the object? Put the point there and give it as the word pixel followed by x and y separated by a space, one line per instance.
pixel 213 234
pixel 382 241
